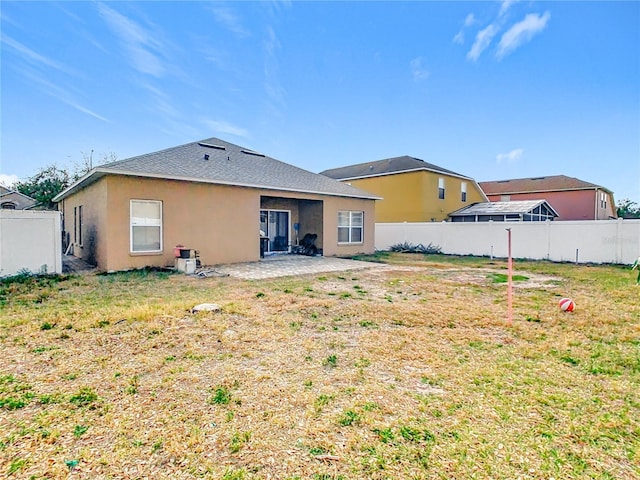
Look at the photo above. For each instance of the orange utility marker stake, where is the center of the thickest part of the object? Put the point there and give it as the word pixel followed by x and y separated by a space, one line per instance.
pixel 510 280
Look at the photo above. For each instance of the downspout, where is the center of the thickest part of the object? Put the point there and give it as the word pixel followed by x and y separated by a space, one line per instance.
pixel 595 217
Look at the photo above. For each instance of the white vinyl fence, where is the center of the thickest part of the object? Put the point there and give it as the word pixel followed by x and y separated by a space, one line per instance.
pixel 594 241
pixel 30 241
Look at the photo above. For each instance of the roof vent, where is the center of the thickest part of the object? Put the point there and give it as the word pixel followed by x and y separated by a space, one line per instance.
pixel 370 167
pixel 211 145
pixel 251 152
pixel 206 156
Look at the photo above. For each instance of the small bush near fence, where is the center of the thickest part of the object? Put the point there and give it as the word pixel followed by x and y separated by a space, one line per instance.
pixel 407 247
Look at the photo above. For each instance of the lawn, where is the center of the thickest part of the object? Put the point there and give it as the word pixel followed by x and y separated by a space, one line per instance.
pixel 406 371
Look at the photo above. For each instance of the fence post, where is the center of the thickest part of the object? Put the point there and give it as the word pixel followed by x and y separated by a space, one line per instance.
pixel 619 240
pixel 510 282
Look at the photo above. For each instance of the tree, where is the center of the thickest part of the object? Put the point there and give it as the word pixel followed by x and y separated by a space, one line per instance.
pixel 628 209
pixel 45 185
pixel 51 180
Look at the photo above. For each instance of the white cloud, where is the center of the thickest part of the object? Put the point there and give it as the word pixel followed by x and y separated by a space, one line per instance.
pixel 483 39
pixel 229 20
pixel 522 32
pixel 506 4
pixel 511 157
pixel 274 89
pixel 8 180
pixel 35 58
pixel 60 93
pixel 419 70
pixel 141 46
pixel 470 20
pixel 221 126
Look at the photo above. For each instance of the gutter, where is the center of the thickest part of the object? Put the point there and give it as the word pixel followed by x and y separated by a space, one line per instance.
pixel 102 172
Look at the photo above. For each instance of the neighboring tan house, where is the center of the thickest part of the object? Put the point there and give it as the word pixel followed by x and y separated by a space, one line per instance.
pixel 14 200
pixel 220 199
pixel 412 189
pixel 514 211
pixel 572 198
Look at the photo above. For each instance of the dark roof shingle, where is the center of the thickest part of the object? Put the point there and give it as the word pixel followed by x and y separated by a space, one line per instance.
pixel 386 166
pixel 551 183
pixel 216 161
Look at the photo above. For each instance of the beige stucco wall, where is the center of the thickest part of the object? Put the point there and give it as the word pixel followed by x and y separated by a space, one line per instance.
pixel 332 205
pixel 221 222
pixel 323 220
pixel 94 202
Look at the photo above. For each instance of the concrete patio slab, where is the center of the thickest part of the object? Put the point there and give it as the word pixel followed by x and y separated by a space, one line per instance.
pixel 287 265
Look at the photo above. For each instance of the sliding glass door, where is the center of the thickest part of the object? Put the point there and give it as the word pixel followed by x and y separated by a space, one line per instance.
pixel 275 225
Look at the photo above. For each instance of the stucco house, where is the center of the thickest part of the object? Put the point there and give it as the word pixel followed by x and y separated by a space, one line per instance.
pixel 572 198
pixel 412 189
pixel 14 200
pixel 514 211
pixel 220 199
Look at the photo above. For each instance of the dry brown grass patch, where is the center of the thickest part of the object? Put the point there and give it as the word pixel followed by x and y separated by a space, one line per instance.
pixel 402 372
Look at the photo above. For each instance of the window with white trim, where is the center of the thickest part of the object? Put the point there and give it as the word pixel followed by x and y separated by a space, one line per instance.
pixel 146 226
pixel 463 191
pixel 350 227
pixel 441 188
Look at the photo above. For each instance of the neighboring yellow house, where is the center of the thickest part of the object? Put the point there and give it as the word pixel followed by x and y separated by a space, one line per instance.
pixel 412 189
pixel 229 203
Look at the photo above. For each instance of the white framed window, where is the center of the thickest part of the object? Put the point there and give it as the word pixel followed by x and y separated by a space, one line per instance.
pixel 441 188
pixel 146 226
pixel 463 191
pixel 350 227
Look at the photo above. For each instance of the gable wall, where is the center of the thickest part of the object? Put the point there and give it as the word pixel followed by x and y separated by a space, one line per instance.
pixel 413 196
pixel 21 202
pixel 570 205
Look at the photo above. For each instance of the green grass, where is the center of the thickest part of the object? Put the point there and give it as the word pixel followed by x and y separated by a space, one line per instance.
pixel 221 396
pixel 503 278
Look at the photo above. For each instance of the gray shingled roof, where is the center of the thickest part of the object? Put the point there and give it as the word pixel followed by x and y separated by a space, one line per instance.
pixel 216 161
pixel 502 208
pixel 385 167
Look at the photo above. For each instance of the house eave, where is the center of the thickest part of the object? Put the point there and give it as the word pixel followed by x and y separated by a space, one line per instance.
pixel 519 192
pixel 423 169
pixel 98 173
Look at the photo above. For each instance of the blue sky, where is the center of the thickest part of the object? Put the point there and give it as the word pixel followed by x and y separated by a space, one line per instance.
pixel 492 90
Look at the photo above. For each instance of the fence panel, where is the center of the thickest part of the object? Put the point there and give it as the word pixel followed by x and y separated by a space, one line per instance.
pixel 595 241
pixel 30 240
